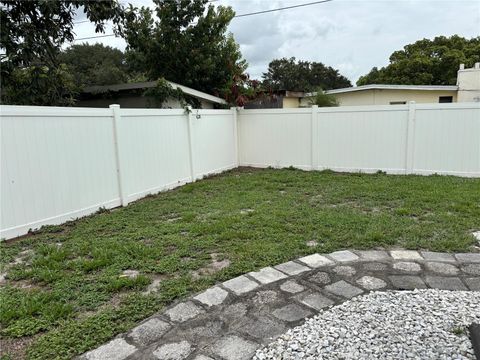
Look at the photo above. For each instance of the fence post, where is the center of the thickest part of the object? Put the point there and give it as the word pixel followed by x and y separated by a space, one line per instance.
pixel 118 155
pixel 235 134
pixel 410 141
pixel 191 142
pixel 313 137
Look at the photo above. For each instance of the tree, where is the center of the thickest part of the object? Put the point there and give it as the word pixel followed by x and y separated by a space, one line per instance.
pixel 32 33
pixel 322 99
pixel 187 44
pixel 288 74
pixel 427 62
pixel 95 64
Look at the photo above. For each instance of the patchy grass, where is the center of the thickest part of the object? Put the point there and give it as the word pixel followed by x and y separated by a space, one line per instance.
pixel 65 288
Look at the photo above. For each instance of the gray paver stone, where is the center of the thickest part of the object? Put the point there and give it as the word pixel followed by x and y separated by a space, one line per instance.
pixel 264 297
pixel 407 266
pixel 316 301
pixel 442 268
pixel 407 282
pixel 468 257
pixel 213 296
pixel 240 285
pixel 321 278
pixel 173 351
pixel 445 283
pixel 267 275
pixel 437 256
pixel 316 260
pixel 291 312
pixel 262 328
pixel 374 266
pixel 342 288
pixel 344 270
pixel 291 286
pixel 183 311
pixel 292 268
pixel 405 255
pixel 473 283
pixel 472 269
pixel 202 357
pixel 149 331
pixel 234 348
pixel 373 255
pixel 117 349
pixel 371 283
pixel 343 256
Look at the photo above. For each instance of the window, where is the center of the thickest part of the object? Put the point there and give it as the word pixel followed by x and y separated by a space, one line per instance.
pixel 398 102
pixel 445 99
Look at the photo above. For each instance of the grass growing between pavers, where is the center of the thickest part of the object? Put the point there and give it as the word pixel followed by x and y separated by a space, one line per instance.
pixel 65 292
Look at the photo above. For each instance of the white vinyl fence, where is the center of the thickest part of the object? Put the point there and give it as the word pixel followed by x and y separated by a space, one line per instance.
pixel 58 164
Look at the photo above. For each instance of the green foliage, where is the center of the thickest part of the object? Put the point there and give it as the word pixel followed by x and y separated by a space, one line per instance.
pixel 187 44
pixel 163 91
pixel 85 301
pixel 32 33
pixel 289 74
pixel 427 62
pixel 322 99
pixel 95 64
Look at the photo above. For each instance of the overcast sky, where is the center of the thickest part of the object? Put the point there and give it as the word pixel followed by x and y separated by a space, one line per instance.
pixel 349 35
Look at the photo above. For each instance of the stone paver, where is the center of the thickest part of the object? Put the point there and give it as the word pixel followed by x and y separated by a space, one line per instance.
pixel 371 283
pixel 213 296
pixel 267 275
pixel 149 331
pixel 407 266
pixel 316 301
pixel 292 287
pixel 342 288
pixel 291 312
pixel 470 257
pixel 292 268
pixel 240 285
pixel 445 283
pixel 436 256
pixel 173 351
pixel 442 268
pixel 473 283
pixel 117 349
pixel 472 269
pixel 405 255
pixel 374 255
pixel 343 256
pixel 234 348
pixel 316 260
pixel 344 270
pixel 183 311
pixel 407 282
pixel 229 321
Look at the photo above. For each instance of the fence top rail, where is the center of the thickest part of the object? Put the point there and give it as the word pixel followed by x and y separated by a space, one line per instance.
pixel 52 111
pixel 448 106
pixel 140 112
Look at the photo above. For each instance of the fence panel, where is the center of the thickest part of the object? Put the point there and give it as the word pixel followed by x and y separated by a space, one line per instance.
pixel 56 164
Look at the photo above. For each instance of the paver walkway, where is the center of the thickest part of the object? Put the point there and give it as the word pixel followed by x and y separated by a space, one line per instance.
pixel 233 319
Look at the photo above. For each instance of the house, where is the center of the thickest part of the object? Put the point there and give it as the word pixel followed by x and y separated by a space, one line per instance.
pixel 467 89
pixel 131 96
pixel 276 99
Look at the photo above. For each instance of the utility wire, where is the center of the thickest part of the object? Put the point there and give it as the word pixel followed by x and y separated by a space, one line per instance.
pixel 236 16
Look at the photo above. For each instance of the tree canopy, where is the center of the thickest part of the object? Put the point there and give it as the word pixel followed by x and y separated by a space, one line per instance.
pixel 187 43
pixel 289 74
pixel 427 62
pixel 95 64
pixel 32 33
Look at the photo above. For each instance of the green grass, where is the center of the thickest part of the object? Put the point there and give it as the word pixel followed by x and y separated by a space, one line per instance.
pixel 69 294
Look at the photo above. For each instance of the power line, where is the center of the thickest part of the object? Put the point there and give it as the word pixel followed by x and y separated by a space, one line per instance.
pixel 236 16
pixel 283 8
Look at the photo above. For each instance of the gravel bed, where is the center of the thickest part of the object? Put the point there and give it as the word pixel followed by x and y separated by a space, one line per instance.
pixel 419 324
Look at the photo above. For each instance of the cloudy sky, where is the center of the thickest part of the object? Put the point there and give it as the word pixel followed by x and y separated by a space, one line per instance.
pixel 349 35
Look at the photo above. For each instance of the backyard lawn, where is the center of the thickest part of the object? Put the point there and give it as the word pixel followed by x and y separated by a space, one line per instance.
pixel 67 289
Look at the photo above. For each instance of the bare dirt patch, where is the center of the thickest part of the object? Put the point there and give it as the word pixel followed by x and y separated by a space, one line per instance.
pixel 215 265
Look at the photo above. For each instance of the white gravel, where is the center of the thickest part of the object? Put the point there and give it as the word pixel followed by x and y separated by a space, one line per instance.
pixel 419 324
